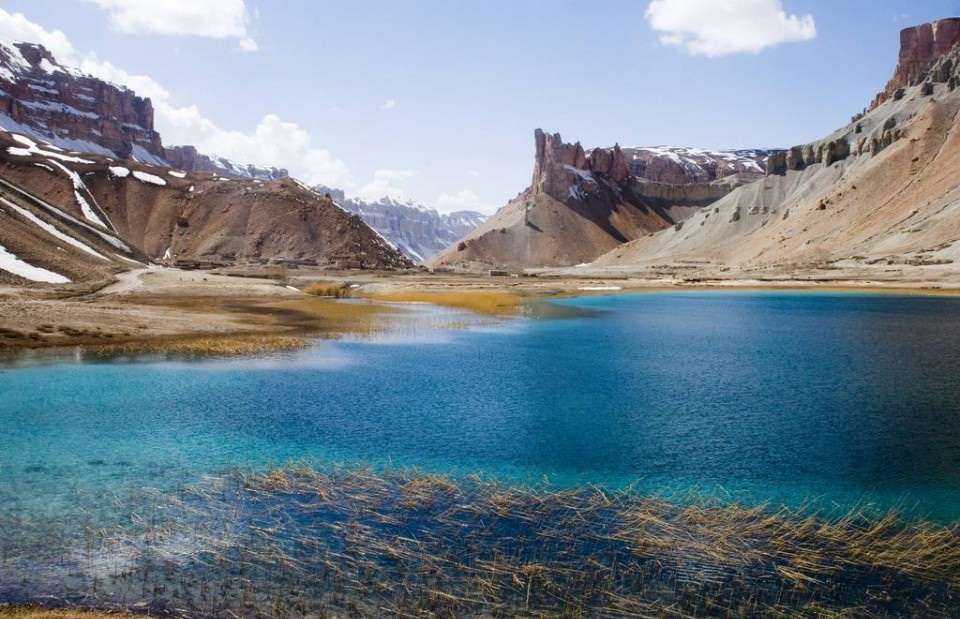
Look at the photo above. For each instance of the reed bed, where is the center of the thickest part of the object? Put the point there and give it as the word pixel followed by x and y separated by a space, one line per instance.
pixel 488 302
pixel 298 541
pixel 328 289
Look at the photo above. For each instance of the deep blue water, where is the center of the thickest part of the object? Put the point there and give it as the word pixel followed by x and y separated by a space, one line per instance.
pixel 834 399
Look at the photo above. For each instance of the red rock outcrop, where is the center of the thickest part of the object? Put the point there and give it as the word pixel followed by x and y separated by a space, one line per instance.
pixel 920 48
pixel 560 168
pixel 73 110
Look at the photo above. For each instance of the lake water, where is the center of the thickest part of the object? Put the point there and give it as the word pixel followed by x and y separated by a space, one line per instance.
pixel 834 400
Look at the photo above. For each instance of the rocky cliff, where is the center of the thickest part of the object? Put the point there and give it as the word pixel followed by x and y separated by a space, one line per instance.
pixel 920 48
pixel 71 110
pixel 581 203
pixel 877 196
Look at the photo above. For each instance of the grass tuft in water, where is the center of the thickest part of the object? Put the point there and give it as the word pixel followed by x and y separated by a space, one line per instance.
pixel 298 541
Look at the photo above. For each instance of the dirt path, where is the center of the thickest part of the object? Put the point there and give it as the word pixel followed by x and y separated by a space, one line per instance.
pixel 127 282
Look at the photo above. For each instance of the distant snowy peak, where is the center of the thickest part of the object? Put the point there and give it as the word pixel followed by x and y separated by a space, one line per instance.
pixel 417 230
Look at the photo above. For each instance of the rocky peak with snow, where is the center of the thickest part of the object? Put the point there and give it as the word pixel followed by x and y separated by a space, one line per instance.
pixel 678 165
pixel 416 230
pixel 64 107
pixel 565 171
pixel 187 158
pixel 69 109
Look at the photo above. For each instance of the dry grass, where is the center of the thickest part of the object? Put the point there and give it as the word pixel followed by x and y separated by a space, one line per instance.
pixel 299 542
pixel 479 301
pixel 281 325
pixel 328 289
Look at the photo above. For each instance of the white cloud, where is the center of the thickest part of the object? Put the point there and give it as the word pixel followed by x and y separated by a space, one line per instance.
pixel 273 142
pixel 721 27
pixel 389 104
pixel 473 173
pixel 216 19
pixel 384 184
pixel 464 200
pixel 16 27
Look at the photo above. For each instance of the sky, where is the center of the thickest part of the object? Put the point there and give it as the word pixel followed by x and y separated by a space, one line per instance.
pixel 436 101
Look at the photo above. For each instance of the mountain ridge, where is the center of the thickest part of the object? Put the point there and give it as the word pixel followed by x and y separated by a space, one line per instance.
pixel 879 193
pixel 581 204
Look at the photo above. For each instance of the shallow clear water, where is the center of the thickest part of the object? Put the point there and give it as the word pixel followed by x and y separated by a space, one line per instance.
pixel 789 398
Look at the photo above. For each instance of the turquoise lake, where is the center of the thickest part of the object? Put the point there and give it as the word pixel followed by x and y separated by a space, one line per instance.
pixel 824 399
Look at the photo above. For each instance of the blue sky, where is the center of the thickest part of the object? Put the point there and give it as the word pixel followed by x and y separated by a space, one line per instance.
pixel 437 101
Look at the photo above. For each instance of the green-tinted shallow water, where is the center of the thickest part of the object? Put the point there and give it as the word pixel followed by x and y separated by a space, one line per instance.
pixel 830 400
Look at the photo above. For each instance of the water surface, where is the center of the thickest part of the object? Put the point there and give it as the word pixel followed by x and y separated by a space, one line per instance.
pixel 796 398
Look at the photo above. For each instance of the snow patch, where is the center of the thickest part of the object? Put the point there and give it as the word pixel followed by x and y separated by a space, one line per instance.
pixel 119 171
pixel 78 186
pixel 53 231
pixel 177 174
pixel 62 215
pixel 30 148
pixel 146 177
pixel 10 263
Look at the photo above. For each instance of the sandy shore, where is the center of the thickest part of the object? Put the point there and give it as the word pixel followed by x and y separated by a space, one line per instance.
pixel 249 310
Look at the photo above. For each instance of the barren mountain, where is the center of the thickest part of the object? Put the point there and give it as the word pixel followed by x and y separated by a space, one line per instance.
pixel 581 204
pixel 419 232
pixel 883 189
pixel 125 210
pixel 85 191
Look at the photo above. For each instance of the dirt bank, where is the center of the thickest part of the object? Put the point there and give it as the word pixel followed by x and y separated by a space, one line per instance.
pixel 247 311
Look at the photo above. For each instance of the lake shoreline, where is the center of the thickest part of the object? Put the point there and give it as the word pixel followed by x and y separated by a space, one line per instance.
pixel 252 311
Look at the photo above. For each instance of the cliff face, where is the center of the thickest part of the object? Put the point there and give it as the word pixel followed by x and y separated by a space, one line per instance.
pixel 559 166
pixel 64 107
pixel 582 203
pixel 920 48
pixel 72 110
pixel 875 197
